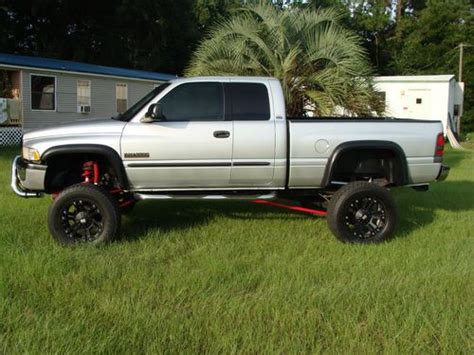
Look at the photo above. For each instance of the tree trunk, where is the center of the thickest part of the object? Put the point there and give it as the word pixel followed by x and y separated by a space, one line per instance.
pixel 295 109
pixel 399 9
pixel 376 40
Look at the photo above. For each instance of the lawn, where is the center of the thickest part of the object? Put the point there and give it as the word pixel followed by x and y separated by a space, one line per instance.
pixel 238 277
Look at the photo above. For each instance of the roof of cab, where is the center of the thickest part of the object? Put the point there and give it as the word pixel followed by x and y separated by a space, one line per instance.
pixel 224 78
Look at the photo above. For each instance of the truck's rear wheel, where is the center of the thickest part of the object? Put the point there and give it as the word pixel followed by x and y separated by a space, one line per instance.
pixel 84 214
pixel 361 212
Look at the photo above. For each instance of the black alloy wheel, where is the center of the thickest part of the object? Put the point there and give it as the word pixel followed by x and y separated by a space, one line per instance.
pixel 82 220
pixel 84 214
pixel 364 217
pixel 362 212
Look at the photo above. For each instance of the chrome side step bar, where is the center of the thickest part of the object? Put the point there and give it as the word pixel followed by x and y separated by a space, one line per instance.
pixel 141 196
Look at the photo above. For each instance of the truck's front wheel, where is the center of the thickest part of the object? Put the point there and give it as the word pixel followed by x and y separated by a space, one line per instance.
pixel 361 212
pixel 84 214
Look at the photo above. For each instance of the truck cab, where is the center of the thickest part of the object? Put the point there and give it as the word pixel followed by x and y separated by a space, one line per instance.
pixel 209 133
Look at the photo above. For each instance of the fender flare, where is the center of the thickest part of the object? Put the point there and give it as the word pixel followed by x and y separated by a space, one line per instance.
pixel 109 153
pixel 399 179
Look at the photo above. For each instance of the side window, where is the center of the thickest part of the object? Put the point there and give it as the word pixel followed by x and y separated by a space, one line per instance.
pixel 249 101
pixel 194 102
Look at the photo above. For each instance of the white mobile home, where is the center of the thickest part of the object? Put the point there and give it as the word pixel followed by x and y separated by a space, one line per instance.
pixel 38 92
pixel 425 97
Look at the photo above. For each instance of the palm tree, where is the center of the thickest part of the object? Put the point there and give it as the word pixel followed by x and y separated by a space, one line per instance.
pixel 321 65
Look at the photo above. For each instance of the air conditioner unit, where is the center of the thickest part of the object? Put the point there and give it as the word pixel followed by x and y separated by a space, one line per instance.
pixel 83 109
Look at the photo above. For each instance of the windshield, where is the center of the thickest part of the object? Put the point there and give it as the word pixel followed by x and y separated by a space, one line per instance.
pixel 132 111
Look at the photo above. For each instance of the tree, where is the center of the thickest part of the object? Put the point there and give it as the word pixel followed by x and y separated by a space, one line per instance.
pixel 426 43
pixel 142 34
pixel 320 64
pixel 414 37
pixel 210 11
pixel 372 20
pixel 157 35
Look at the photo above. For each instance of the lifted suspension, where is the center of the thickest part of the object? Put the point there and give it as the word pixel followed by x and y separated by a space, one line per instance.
pixel 91 175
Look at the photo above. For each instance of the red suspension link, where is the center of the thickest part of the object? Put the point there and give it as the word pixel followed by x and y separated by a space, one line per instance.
pixel 319 213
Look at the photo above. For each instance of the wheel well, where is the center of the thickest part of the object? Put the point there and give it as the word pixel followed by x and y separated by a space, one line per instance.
pixel 66 169
pixel 385 164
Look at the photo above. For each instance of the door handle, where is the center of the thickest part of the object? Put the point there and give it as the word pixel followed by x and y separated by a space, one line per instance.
pixel 222 134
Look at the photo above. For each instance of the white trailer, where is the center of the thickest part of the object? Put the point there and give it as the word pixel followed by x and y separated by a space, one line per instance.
pixel 425 97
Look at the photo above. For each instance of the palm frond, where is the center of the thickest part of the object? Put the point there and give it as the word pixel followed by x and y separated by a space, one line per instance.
pixel 321 65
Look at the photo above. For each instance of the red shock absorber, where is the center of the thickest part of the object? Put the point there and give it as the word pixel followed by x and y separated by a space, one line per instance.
pixel 91 172
pixel 96 177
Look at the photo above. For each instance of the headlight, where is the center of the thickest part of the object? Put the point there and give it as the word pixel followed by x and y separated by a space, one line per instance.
pixel 30 154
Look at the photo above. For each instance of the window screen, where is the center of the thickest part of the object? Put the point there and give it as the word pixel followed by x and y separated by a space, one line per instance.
pixel 249 102
pixel 43 91
pixel 194 102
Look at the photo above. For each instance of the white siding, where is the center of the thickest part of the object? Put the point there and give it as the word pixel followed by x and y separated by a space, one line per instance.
pixel 103 103
pixel 400 99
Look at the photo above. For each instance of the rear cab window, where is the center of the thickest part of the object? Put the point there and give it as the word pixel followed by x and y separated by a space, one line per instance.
pixel 247 102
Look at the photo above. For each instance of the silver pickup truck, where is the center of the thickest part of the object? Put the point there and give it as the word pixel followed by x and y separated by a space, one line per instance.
pixel 222 138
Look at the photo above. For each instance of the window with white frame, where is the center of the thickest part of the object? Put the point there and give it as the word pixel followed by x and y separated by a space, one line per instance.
pixel 83 93
pixel 121 95
pixel 43 92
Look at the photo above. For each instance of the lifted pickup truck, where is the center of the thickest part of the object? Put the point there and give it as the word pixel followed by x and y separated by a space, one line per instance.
pixel 226 137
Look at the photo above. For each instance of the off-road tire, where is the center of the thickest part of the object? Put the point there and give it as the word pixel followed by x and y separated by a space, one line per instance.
pixel 96 205
pixel 362 212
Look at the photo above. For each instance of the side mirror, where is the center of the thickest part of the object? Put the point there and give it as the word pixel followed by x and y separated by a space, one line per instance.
pixel 154 113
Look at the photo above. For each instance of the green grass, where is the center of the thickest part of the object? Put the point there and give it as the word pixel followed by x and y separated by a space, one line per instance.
pixel 237 277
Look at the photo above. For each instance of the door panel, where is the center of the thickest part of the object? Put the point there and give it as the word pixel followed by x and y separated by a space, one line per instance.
pixel 253 159
pixel 188 145
pixel 181 154
pixel 254 153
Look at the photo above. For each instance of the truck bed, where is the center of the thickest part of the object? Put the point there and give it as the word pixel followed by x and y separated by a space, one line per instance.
pixel 314 140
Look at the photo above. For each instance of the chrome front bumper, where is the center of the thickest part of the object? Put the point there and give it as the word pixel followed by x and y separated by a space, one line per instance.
pixel 27 179
pixel 443 173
